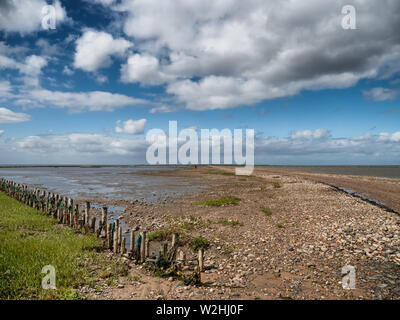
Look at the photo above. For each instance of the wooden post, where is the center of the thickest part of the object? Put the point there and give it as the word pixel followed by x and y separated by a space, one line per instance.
pixel 76 216
pixel 108 236
pixel 201 260
pixel 87 210
pixel 142 247
pixel 119 236
pixel 181 259
pixel 132 242
pixel 174 247
pixel 174 239
pixel 93 226
pixel 147 251
pixel 123 244
pixel 164 250
pixel 115 242
pixel 104 216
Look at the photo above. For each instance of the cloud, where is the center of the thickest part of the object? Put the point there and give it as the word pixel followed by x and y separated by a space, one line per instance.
pixel 103 148
pixel 95 48
pixel 366 149
pixel 8 116
pixel 1 132
pixel 68 71
pixel 26 16
pixel 381 94
pixel 30 69
pixel 144 69
pixel 163 109
pixel 104 2
pixel 86 147
pixel 224 54
pixel 131 126
pixel 5 88
pixel 311 134
pixel 78 101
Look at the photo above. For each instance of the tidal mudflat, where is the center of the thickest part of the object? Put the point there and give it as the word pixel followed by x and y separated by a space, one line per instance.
pixel 104 182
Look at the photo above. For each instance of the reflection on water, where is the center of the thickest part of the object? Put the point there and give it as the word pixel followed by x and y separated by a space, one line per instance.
pixel 104 183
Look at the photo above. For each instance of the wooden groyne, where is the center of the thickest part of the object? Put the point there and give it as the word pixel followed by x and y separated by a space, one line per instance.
pixel 78 216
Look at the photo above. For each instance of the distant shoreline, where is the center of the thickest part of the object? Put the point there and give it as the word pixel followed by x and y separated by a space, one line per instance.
pixel 381 171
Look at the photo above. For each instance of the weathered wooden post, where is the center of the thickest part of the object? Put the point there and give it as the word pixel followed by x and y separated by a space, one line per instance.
pixel 132 242
pixel 164 250
pixel 115 244
pixel 201 260
pixel 76 216
pixel 142 247
pixel 174 247
pixel 87 210
pixel 181 259
pixel 104 216
pixel 93 225
pixel 123 245
pixel 108 236
pixel 147 251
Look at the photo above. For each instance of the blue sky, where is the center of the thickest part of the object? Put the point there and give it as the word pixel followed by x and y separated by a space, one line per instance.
pixel 314 92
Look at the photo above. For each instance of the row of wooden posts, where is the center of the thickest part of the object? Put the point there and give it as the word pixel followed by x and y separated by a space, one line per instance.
pixel 67 212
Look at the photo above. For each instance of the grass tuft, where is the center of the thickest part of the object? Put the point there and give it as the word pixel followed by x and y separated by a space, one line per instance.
pixel 266 211
pixel 232 223
pixel 225 200
pixel 199 243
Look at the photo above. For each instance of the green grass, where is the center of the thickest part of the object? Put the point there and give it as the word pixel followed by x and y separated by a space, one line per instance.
pixel 280 226
pixel 199 243
pixel 232 223
pixel 225 200
pixel 277 185
pixel 266 211
pixel 263 188
pixel 30 240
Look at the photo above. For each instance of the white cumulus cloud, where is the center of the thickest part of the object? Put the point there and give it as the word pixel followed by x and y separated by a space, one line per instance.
pixel 131 126
pixel 144 69
pixel 9 116
pixel 381 94
pixel 78 101
pixel 228 53
pixel 95 48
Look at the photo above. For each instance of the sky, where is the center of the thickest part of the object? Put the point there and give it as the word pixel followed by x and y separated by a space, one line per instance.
pixel 85 86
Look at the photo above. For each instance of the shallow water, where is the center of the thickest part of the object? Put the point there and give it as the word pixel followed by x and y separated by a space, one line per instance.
pixel 104 183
